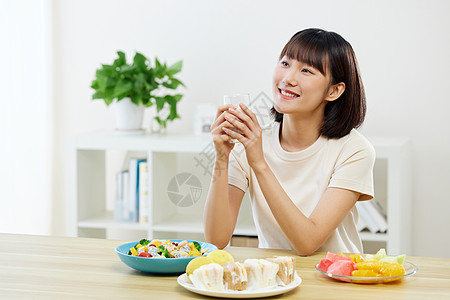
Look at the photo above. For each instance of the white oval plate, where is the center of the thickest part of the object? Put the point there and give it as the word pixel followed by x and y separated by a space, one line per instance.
pixel 184 281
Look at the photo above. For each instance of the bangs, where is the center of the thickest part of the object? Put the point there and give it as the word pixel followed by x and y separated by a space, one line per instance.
pixel 310 47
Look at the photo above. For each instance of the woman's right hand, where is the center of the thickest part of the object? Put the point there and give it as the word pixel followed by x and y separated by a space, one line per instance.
pixel 220 138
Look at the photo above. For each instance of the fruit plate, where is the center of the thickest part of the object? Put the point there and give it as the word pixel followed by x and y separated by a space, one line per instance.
pixel 158 265
pixel 185 282
pixel 410 269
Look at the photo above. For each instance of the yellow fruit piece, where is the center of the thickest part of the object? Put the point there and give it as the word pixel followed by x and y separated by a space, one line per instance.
pixel 157 243
pixel 356 258
pixel 191 244
pixel 197 263
pixel 372 265
pixel 220 256
pixel 194 252
pixel 133 251
pixel 391 269
pixel 364 273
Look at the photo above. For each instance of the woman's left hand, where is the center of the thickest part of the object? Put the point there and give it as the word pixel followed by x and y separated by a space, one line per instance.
pixel 250 134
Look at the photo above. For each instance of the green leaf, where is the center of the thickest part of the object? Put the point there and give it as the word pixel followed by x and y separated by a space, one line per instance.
pixel 102 82
pixel 171 100
pixel 160 101
pixel 144 242
pixel 177 82
pixel 108 101
pixel 106 70
pixel 175 68
pixel 197 246
pixel 139 61
pixel 126 69
pixel 94 84
pixel 177 97
pixel 166 253
pixel 161 122
pixel 174 83
pixel 140 81
pixel 97 95
pixel 109 95
pixel 157 63
pixel 122 88
pixel 173 114
pixel 145 98
pixel 135 98
pixel 111 82
pixel 101 75
pixel 159 70
pixel 121 60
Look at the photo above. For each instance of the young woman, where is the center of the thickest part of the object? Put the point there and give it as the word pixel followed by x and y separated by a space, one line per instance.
pixel 307 169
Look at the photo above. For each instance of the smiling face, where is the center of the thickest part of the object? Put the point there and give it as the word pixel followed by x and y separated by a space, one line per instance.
pixel 299 88
pixel 316 68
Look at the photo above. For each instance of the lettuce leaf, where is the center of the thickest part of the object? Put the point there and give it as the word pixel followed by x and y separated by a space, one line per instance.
pixel 166 253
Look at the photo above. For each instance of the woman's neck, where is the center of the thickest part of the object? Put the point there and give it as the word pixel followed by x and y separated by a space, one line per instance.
pixel 297 134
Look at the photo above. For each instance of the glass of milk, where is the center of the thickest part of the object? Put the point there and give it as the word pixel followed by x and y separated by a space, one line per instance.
pixel 235 99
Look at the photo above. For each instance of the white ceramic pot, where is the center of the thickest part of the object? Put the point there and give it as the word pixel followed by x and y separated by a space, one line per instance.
pixel 128 116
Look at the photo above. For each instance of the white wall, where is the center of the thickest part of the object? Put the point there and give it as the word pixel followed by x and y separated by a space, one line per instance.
pixel 25 117
pixel 232 46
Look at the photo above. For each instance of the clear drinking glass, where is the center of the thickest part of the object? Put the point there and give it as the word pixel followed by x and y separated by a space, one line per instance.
pixel 235 100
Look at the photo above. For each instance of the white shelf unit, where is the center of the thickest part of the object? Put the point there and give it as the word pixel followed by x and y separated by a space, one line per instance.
pixel 393 186
pixel 87 214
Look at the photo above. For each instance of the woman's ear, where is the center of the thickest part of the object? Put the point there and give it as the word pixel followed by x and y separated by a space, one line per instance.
pixel 335 91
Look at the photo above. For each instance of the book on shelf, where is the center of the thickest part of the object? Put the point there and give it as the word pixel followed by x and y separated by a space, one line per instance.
pixel 371 218
pixel 380 207
pixel 131 192
pixel 121 201
pixel 143 192
pixel 126 196
pixel 118 204
pixel 133 202
pixel 360 225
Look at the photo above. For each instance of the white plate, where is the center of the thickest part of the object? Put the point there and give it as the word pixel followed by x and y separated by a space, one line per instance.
pixel 184 281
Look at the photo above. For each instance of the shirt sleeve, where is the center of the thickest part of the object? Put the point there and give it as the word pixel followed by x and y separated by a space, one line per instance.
pixel 238 170
pixel 354 168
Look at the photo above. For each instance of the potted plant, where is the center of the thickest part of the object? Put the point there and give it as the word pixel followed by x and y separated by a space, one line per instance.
pixel 138 85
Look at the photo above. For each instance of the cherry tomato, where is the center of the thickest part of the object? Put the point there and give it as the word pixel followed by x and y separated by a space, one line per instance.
pixel 144 254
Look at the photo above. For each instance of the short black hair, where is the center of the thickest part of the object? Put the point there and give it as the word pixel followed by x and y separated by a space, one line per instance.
pixel 329 52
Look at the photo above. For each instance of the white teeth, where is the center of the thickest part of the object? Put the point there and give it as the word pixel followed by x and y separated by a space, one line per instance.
pixel 287 94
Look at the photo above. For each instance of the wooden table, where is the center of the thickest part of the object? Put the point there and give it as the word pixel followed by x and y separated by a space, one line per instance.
pixel 43 267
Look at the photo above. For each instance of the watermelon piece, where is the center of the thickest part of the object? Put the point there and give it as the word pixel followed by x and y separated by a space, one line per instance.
pixel 335 257
pixel 324 264
pixel 342 267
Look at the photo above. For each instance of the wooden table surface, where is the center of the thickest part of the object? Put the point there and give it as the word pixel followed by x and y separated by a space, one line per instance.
pixel 44 267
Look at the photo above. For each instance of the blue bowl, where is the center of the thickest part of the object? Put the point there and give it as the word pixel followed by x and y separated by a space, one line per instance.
pixel 158 265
